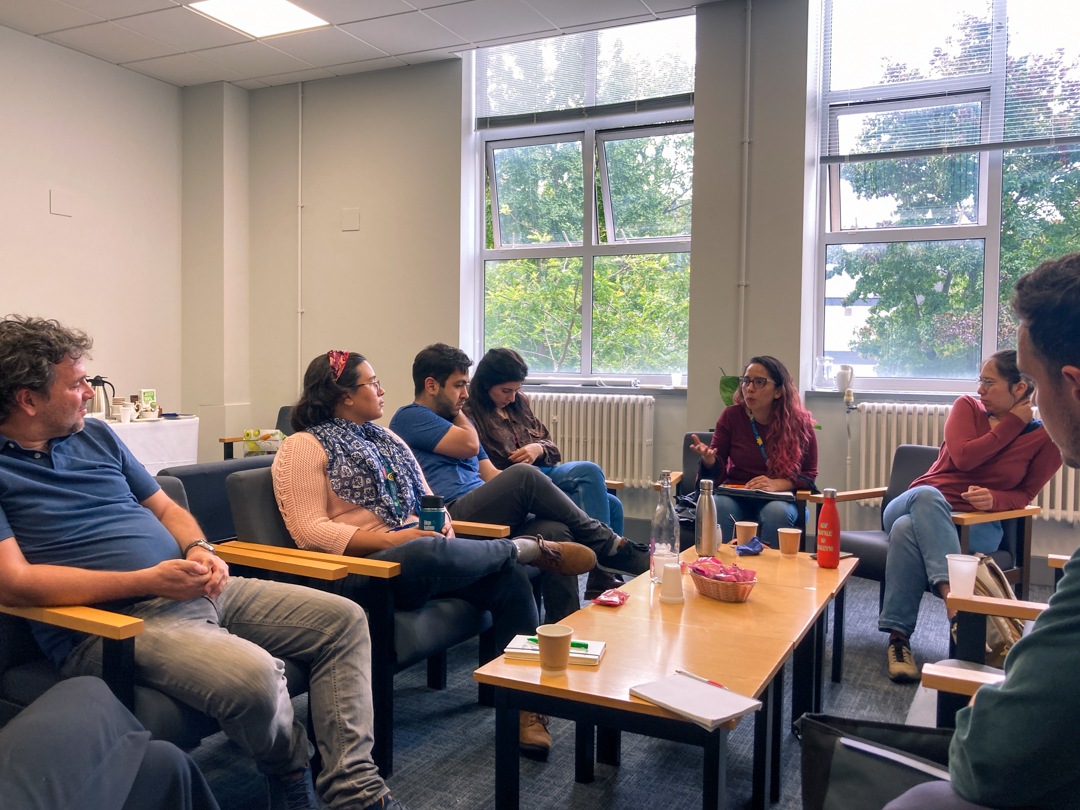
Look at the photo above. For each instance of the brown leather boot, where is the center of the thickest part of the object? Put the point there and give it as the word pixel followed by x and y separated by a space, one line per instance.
pixel 558 558
pixel 533 738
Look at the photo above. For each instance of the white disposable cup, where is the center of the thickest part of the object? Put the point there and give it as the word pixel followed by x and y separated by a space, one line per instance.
pixel 962 568
pixel 676 378
pixel 554 642
pixel 126 412
pixel 789 541
pixel 671 591
pixel 660 562
pixel 745 531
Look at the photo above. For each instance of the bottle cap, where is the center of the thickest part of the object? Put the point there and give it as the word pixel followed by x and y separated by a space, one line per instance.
pixel 705 485
pixel 830 493
pixel 431 502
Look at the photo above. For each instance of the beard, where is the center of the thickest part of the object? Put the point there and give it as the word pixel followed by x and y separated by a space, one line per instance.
pixel 445 407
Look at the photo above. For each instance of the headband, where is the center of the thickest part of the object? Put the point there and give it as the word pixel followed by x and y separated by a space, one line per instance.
pixel 338 359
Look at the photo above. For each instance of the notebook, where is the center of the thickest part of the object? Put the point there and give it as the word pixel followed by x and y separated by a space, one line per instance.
pixel 705 704
pixel 520 647
pixel 742 492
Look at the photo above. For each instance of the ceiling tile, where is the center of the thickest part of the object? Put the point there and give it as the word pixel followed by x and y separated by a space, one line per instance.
pixel 404 33
pixel 490 19
pixel 437 55
pixel 250 84
pixel 110 42
pixel 325 46
pixel 674 5
pixel 111 9
pixel 296 76
pixel 490 43
pixel 425 4
pixel 40 16
pixel 566 13
pixel 602 24
pixel 184 69
pixel 184 29
pixel 343 11
pixel 253 59
pixel 365 66
pixel 679 12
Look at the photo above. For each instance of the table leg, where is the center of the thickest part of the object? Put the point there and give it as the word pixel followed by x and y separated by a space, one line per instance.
pixel 608 746
pixel 584 751
pixel 714 777
pixel 762 749
pixel 838 637
pixel 802 678
pixel 819 659
pixel 777 715
pixel 507 775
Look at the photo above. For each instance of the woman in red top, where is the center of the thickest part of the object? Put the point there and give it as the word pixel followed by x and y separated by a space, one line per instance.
pixel 765 441
pixel 995 457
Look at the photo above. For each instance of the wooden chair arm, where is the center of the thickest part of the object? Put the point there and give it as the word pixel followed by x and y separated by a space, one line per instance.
pixel 362 566
pixel 993 606
pixel 676 477
pixel 850 495
pixel 90 620
pixel 613 484
pixel 470 529
pixel 959 677
pixel 266 559
pixel 1057 560
pixel 231 439
pixel 971 518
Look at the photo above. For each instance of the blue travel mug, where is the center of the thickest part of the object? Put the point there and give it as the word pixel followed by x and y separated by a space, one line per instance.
pixel 432 516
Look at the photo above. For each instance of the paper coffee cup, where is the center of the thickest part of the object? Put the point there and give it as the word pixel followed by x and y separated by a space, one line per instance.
pixel 789 541
pixel 962 569
pixel 745 531
pixel 554 641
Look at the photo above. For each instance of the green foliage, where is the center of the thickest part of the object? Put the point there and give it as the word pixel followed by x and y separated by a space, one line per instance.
pixel 651 181
pixel 540 193
pixel 728 386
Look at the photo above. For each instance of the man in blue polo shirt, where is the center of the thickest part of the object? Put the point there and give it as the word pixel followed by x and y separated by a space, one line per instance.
pixel 456 467
pixel 82 522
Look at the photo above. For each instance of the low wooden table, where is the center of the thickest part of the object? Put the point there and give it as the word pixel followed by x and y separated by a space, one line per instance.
pixel 742 645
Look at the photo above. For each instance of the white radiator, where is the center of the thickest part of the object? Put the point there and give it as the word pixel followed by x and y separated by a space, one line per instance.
pixel 886 425
pixel 613 431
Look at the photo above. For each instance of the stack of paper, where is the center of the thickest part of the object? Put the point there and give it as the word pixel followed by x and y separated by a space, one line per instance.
pixel 527 650
pixel 705 703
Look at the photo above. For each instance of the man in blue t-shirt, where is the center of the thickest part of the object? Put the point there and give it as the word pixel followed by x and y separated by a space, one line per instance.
pixel 456 467
pixel 82 522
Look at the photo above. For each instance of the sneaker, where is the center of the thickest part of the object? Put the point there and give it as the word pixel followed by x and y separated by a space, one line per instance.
pixel 533 737
pixel 386 802
pixel 600 581
pixel 558 558
pixel 902 667
pixel 292 794
pixel 631 558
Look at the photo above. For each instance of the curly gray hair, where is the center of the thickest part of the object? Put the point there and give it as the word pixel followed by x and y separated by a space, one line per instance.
pixel 29 349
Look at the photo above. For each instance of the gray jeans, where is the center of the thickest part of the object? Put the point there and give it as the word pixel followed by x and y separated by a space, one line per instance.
pixel 219 656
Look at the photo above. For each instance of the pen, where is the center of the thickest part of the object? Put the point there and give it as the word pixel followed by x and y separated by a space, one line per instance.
pixel 577 645
pixel 699 678
pixel 406 526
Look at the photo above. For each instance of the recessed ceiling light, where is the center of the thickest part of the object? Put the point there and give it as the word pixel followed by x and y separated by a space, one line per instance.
pixel 260 18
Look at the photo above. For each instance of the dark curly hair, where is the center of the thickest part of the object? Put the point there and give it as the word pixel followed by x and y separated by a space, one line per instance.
pixel 438 361
pixel 322 393
pixel 30 348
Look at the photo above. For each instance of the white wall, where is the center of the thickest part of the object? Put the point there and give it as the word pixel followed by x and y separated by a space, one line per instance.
pixel 108 140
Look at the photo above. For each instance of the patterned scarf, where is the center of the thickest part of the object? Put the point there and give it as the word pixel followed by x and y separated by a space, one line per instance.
pixel 370 468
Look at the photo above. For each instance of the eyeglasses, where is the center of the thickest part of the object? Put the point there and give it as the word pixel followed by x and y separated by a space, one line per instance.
pixel 757 382
pixel 985 383
pixel 373 381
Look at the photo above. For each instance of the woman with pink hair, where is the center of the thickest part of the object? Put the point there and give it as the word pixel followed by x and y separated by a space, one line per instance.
pixel 765 441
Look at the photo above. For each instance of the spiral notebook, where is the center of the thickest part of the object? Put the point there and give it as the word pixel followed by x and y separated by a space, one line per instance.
pixel 704 703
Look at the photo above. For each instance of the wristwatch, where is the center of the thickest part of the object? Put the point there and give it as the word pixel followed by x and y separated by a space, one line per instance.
pixel 200 544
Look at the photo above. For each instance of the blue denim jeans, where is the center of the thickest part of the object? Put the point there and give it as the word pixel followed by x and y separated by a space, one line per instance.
pixel 921 533
pixel 484 573
pixel 221 656
pixel 769 515
pixel 584 482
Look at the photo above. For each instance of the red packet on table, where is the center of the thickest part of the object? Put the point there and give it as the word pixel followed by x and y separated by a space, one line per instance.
pixel 713 568
pixel 611 598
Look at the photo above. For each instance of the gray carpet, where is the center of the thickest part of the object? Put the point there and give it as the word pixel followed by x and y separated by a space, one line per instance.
pixel 444 742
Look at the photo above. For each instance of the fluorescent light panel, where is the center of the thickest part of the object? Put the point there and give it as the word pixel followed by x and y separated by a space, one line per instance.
pixel 260 18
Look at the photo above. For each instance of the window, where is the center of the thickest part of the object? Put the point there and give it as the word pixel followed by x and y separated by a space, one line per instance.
pixel 587 207
pixel 950 167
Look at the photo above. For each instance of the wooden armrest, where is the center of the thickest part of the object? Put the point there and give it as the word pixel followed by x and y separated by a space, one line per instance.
pixel 803 495
pixel 971 518
pixel 471 529
pixel 850 495
pixel 266 559
pixel 381 569
pixel 231 439
pixel 953 676
pixel 97 622
pixel 676 477
pixel 1057 560
pixel 993 606
pixel 612 484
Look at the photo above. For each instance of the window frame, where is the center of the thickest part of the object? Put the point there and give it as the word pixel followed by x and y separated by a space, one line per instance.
pixel 589 132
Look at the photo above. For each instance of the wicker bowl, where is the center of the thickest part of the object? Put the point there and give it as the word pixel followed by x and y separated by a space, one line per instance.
pixel 724 591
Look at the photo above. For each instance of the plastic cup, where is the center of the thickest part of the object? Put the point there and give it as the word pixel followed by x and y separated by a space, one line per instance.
pixel 660 561
pixel 126 412
pixel 676 379
pixel 962 568
pixel 789 541
pixel 745 531
pixel 554 641
pixel 671 591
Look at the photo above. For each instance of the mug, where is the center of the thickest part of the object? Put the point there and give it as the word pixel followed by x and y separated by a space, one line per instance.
pixel 845 377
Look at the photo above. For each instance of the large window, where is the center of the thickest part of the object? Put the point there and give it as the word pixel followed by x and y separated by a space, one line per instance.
pixel 586 251
pixel 950 168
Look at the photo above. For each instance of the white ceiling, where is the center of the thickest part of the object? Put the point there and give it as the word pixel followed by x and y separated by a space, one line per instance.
pixel 167 40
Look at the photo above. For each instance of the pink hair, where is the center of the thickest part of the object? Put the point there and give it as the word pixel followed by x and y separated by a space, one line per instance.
pixel 790 422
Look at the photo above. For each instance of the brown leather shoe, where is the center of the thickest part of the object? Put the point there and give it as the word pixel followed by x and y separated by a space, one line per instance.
pixel 564 558
pixel 533 738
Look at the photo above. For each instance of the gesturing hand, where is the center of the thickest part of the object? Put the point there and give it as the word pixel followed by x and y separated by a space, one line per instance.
pixel 527 454
pixel 708 455
pixel 979 497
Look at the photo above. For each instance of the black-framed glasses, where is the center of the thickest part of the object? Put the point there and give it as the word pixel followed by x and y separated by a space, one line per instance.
pixel 757 382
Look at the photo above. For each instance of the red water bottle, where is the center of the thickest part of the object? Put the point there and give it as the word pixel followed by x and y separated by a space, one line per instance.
pixel 828 532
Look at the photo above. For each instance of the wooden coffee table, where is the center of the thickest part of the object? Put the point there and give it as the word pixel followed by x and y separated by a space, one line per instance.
pixel 743 646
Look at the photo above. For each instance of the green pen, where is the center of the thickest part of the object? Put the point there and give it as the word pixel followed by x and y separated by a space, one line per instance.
pixel 577 645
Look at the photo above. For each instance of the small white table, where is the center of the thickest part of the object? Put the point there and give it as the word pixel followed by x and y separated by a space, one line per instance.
pixel 161 444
